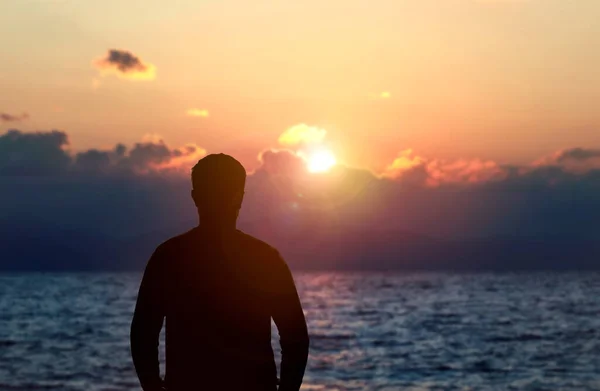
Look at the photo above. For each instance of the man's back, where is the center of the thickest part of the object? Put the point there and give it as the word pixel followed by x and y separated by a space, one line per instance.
pixel 218 293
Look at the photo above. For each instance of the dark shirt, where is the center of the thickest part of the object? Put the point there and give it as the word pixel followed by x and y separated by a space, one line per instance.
pixel 218 294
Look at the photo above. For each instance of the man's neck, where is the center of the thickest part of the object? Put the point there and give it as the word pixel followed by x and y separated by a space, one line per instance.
pixel 220 226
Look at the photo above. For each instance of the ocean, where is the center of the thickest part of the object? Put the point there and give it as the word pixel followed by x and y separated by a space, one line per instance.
pixel 369 331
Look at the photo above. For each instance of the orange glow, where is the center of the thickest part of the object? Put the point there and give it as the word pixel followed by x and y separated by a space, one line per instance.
pixel 320 161
pixel 457 83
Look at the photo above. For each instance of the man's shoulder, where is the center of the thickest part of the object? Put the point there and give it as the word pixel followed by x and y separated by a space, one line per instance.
pixel 175 242
pixel 253 243
pixel 264 261
pixel 243 238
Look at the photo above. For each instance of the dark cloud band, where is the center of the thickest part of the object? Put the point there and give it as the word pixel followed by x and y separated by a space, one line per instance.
pixel 478 215
pixel 45 153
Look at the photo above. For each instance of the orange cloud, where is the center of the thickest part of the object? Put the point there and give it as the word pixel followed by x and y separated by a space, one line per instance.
pixel 197 113
pixel 404 162
pixel 302 134
pixel 380 95
pixel 463 171
pixel 183 158
pixel 436 172
pixel 125 65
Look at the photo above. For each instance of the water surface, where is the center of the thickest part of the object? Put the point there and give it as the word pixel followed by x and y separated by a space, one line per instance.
pixel 368 331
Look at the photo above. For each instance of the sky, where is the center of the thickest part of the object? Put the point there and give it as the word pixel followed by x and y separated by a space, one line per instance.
pixel 505 80
pixel 384 126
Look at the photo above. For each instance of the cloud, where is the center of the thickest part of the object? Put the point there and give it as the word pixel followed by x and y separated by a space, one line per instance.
pixel 281 163
pixel 148 157
pixel 418 170
pixel 380 95
pixel 93 160
pixel 39 153
pixel 197 113
pixel 405 161
pixel 463 171
pixel 578 154
pixel 576 160
pixel 5 117
pixel 125 65
pixel 47 153
pixel 302 134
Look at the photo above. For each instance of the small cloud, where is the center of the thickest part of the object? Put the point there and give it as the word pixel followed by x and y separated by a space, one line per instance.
pixel 5 117
pixel 198 113
pixel 380 95
pixel 302 134
pixel 125 65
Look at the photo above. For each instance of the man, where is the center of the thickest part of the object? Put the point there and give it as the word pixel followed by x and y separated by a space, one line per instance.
pixel 218 289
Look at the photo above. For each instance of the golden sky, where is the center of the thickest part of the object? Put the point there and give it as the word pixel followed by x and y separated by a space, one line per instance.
pixel 508 80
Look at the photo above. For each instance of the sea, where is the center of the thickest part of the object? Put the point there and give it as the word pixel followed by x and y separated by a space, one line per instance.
pixel 369 331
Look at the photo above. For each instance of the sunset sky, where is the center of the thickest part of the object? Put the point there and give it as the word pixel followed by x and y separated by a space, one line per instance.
pixel 507 80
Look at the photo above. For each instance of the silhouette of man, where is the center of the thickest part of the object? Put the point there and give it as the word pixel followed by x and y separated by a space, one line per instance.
pixel 218 289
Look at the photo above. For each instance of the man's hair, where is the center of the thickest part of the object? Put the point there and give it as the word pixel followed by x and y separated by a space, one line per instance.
pixel 218 177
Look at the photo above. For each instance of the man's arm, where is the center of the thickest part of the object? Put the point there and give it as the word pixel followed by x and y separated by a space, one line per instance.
pixel 289 318
pixel 147 323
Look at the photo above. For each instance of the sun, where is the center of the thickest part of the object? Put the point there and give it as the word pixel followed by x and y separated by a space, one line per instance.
pixel 320 161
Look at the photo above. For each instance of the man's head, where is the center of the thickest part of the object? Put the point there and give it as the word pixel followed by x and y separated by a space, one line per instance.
pixel 218 182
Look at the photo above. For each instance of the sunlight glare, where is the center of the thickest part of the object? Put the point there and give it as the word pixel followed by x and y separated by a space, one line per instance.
pixel 320 161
